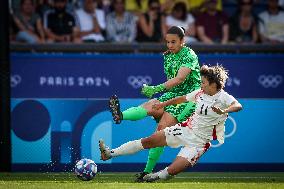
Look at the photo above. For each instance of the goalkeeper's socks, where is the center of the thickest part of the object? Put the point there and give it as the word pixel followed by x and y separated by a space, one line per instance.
pixel 153 157
pixel 134 113
pixel 130 147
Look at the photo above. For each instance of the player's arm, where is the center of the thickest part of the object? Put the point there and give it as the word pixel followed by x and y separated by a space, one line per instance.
pixel 178 100
pixel 149 91
pixel 234 107
pixel 181 76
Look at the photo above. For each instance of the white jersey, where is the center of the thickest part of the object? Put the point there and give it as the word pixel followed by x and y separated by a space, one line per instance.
pixel 204 118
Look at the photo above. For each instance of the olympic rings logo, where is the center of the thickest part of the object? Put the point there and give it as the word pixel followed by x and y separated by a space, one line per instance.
pixel 138 81
pixel 270 81
pixel 229 134
pixel 15 80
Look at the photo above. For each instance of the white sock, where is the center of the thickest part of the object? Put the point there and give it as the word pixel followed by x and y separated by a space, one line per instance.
pixel 130 147
pixel 164 174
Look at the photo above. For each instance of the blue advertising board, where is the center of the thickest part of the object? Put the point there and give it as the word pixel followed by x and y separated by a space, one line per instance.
pixel 63 131
pixel 99 76
pixel 60 110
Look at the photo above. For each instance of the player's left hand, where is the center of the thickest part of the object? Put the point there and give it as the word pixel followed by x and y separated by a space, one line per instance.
pixel 218 110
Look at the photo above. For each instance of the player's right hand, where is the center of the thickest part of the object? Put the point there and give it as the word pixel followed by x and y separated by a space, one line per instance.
pixel 218 110
pixel 147 91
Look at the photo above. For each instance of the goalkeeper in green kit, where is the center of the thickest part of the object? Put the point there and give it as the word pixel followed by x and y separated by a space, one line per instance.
pixel 183 73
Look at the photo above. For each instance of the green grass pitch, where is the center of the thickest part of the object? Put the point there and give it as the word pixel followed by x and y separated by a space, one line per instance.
pixel 192 180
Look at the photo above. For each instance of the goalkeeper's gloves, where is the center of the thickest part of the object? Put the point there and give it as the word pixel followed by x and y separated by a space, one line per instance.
pixel 149 91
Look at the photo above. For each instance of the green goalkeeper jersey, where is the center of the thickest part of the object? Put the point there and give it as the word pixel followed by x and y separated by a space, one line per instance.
pixel 186 57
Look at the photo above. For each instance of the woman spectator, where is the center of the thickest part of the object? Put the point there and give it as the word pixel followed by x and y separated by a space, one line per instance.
pixel 151 25
pixel 28 23
pixel 180 17
pixel 243 24
pixel 121 25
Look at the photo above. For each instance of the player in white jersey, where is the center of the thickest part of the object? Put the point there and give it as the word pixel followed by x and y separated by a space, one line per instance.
pixel 194 134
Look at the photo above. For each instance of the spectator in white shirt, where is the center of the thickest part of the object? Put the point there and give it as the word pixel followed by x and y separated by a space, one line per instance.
pixel 271 26
pixel 91 22
pixel 180 17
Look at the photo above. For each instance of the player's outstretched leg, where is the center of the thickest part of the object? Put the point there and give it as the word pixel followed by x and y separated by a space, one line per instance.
pixel 114 106
pixel 134 146
pixel 133 113
pixel 127 148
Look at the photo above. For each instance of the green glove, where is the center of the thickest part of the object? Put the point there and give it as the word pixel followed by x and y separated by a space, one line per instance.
pixel 149 91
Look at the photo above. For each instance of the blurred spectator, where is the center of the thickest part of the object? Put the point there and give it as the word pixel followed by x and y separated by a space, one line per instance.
pixel 272 23
pixel 212 25
pixel 28 23
pixel 199 6
pixel 151 25
pixel 244 23
pixel 59 24
pixel 121 24
pixel 91 21
pixel 193 6
pixel 167 5
pixel 101 4
pixel 105 5
pixel 180 17
pixel 42 6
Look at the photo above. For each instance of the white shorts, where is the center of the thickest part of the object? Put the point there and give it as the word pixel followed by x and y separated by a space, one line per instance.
pixel 193 146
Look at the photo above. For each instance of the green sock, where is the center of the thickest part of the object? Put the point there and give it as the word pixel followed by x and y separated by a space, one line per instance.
pixel 134 113
pixel 153 157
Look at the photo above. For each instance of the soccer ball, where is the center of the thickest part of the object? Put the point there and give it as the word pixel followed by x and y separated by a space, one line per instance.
pixel 86 169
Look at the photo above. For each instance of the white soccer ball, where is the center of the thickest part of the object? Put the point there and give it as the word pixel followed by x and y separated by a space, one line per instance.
pixel 86 169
